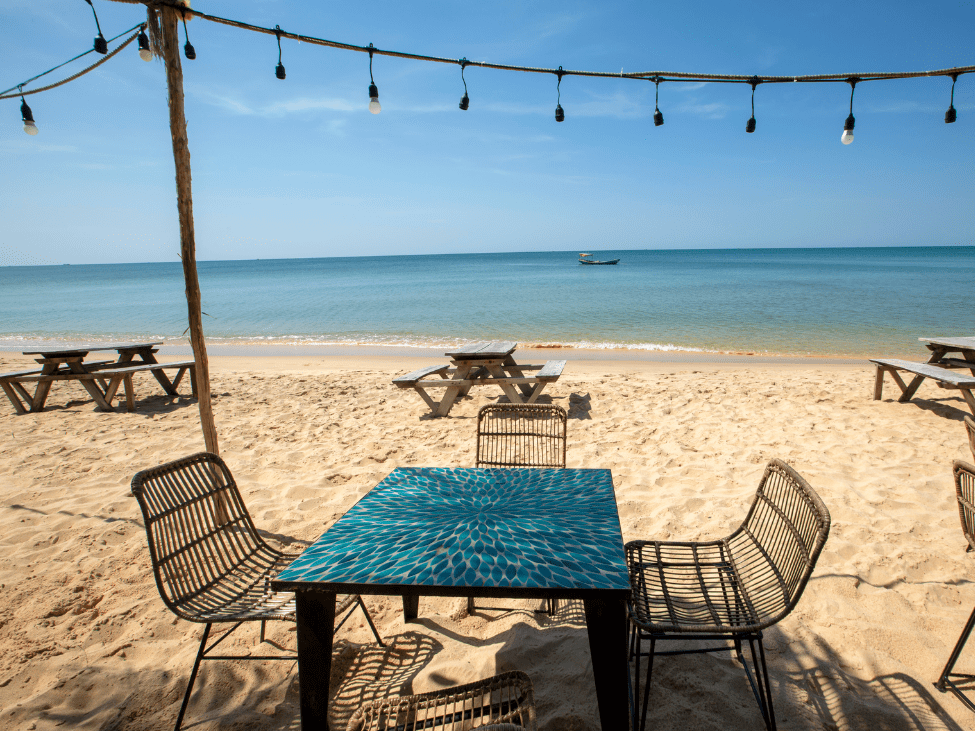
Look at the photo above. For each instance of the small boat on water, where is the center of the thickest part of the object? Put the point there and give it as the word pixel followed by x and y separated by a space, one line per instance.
pixel 584 260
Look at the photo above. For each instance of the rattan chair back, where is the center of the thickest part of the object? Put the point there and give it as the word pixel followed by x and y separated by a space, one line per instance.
pixel 209 562
pixel 965 492
pixel 776 548
pixel 970 428
pixel 521 435
pixel 503 703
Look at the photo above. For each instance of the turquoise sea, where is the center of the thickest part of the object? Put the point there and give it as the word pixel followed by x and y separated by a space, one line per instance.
pixel 829 301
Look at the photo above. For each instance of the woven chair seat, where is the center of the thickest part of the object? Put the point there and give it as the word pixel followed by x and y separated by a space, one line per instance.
pixel 505 702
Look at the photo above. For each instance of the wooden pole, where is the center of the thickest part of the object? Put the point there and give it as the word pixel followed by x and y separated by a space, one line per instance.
pixel 184 199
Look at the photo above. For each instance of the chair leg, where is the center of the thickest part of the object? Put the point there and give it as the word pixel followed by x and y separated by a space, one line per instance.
pixel 646 691
pixel 263 627
pixel 196 667
pixel 959 646
pixel 371 625
pixel 761 688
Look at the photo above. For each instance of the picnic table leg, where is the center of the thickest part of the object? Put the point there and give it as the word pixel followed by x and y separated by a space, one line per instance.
pixel 93 388
pixel 969 399
pixel 452 392
pixel 129 395
pixel 12 395
pixel 911 389
pixel 878 384
pixel 498 372
pixel 517 372
pixel 159 374
pixel 536 392
pixel 43 387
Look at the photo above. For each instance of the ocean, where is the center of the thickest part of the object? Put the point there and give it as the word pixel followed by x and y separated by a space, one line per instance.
pixel 828 301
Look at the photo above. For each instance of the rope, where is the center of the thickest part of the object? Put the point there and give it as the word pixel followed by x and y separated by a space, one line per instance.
pixel 94 66
pixel 662 75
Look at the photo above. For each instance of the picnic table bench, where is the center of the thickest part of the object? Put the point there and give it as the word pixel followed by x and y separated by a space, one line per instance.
pixel 100 378
pixel 482 364
pixel 944 377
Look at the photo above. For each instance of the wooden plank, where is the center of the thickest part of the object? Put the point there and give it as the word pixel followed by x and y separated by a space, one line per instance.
pixel 959 343
pixel 927 370
pixel 409 379
pixel 552 370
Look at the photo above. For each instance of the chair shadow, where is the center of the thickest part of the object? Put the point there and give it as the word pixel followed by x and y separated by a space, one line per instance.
pixel 365 673
pixel 580 405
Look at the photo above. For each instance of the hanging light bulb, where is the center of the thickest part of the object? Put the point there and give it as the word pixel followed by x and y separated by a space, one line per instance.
pixel 145 53
pixel 101 45
pixel 658 116
pixel 25 113
pixel 279 69
pixel 188 49
pixel 750 126
pixel 951 115
pixel 847 136
pixel 465 100
pixel 374 105
pixel 559 114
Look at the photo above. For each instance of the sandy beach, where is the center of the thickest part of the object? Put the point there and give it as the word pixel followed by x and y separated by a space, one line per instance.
pixel 87 642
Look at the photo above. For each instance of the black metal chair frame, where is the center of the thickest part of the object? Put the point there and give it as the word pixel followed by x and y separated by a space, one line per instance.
pixel 730 589
pixel 209 562
pixel 544 444
pixel 965 492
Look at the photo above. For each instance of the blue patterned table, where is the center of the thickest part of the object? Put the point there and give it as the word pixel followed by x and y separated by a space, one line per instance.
pixel 471 532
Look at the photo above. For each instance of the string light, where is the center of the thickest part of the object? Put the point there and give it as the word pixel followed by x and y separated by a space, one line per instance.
pixel 145 52
pixel 101 45
pixel 658 116
pixel 750 126
pixel 188 49
pixel 465 100
pixel 374 105
pixel 951 115
pixel 279 69
pixel 559 114
pixel 847 136
pixel 28 117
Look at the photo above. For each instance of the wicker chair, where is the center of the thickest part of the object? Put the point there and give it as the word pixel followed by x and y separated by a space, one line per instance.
pixel 520 435
pixel 502 703
pixel 729 589
pixel 209 562
pixel 965 492
pixel 970 427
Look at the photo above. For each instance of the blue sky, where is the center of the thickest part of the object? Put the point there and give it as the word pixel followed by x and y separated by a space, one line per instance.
pixel 299 168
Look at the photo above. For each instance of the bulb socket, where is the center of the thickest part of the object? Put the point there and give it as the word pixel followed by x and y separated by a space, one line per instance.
pixel 101 45
pixel 143 42
pixel 465 102
pixel 373 91
pixel 848 124
pixel 189 51
pixel 658 118
pixel 279 70
pixel 750 126
pixel 26 114
pixel 950 115
pixel 559 114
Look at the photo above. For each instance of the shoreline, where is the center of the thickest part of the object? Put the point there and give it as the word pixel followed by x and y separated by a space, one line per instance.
pixel 390 354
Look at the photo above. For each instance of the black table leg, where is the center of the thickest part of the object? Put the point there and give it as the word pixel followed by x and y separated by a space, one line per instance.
pixel 606 621
pixel 315 613
pixel 411 607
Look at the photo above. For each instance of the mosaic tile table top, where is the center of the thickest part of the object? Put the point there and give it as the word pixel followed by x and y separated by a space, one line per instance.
pixel 454 529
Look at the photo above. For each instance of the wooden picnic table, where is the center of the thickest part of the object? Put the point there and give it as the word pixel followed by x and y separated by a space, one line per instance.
pixel 100 378
pixel 480 364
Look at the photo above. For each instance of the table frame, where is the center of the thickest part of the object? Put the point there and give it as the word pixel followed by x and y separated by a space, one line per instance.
pixel 940 347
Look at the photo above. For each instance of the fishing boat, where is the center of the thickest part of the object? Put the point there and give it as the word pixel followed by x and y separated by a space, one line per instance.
pixel 584 260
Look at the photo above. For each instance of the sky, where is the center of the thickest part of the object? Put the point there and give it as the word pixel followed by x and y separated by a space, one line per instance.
pixel 300 168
